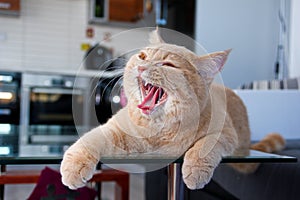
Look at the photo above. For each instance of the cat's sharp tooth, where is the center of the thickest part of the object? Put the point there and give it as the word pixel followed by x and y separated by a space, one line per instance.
pixel 145 83
pixel 152 86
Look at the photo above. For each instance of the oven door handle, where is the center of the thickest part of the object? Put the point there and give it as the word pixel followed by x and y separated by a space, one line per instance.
pixel 57 91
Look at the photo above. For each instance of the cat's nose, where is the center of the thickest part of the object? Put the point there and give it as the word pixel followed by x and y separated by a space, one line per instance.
pixel 141 69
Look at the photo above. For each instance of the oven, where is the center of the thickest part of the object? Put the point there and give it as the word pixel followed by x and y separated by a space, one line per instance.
pixel 47 116
pixel 9 112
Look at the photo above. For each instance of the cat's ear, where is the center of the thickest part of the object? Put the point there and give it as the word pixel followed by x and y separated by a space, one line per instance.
pixel 155 37
pixel 209 65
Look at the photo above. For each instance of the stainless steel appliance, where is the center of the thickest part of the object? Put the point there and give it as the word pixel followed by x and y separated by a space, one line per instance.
pixel 9 112
pixel 109 96
pixel 46 112
pixel 97 57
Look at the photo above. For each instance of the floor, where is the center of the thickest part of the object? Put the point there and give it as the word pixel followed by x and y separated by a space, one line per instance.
pixel 22 191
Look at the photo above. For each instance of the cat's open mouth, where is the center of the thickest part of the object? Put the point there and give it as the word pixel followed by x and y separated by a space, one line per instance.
pixel 152 96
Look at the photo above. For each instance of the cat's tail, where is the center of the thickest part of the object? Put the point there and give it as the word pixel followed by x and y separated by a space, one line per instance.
pixel 271 143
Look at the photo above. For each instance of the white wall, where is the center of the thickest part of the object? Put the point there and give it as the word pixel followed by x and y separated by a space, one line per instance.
pixel 49 34
pixel 272 111
pixel 250 27
pixel 294 69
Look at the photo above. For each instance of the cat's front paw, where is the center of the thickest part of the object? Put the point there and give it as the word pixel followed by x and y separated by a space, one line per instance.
pixel 196 176
pixel 77 167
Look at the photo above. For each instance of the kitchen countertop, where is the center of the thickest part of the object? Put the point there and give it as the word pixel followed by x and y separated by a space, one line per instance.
pixel 254 156
pixel 70 72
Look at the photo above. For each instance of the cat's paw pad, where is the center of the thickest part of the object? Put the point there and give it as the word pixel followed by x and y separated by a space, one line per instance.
pixel 196 177
pixel 76 170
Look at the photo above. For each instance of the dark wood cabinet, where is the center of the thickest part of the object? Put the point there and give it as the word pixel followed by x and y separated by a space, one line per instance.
pixel 10 7
pixel 126 11
pixel 107 11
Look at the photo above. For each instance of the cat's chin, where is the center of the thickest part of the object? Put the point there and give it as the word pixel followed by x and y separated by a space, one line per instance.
pixel 156 115
pixel 149 112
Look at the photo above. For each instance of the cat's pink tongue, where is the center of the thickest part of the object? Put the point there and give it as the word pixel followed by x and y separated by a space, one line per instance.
pixel 149 101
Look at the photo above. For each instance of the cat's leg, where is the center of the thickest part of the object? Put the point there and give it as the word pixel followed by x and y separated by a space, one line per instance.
pixel 201 159
pixel 80 160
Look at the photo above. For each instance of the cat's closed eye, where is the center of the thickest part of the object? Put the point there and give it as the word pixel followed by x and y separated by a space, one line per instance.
pixel 165 63
pixel 168 64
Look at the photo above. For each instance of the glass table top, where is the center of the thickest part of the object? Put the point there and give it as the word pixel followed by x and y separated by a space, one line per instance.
pixel 254 156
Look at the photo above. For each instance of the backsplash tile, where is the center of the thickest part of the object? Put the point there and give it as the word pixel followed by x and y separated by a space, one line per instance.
pixel 49 34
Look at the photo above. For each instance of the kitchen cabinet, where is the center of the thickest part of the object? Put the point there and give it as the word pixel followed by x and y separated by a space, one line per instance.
pixel 127 11
pixel 10 7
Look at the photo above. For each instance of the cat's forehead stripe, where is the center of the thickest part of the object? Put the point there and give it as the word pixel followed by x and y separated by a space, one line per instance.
pixel 179 51
pixel 171 52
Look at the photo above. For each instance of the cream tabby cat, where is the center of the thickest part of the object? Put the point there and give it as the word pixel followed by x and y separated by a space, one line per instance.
pixel 173 109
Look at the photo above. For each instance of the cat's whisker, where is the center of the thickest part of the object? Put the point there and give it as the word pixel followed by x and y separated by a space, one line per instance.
pixel 107 85
pixel 118 63
pixel 111 81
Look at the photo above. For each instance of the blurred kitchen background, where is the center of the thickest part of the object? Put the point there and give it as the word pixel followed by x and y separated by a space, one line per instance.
pixel 45 44
pixel 55 34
